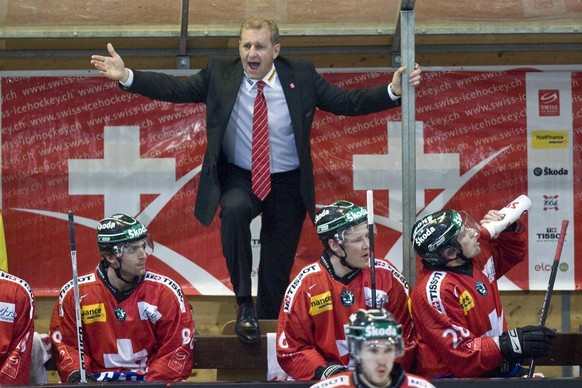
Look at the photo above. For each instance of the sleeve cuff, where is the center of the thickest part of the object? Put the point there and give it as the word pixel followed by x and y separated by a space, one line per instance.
pixel 127 84
pixel 393 96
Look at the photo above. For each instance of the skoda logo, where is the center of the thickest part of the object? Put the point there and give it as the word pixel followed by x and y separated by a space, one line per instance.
pixel 481 288
pixel 120 314
pixel 538 171
pixel 347 298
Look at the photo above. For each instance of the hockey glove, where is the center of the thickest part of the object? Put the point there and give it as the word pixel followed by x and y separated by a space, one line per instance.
pixel 528 341
pixel 331 369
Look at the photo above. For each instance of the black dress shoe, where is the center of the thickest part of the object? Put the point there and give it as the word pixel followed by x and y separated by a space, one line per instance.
pixel 247 324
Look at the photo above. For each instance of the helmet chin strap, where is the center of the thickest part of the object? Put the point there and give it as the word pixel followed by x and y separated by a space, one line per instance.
pixel 460 256
pixel 118 272
pixel 343 258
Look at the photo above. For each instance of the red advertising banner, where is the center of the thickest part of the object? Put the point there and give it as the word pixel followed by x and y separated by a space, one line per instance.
pixel 484 137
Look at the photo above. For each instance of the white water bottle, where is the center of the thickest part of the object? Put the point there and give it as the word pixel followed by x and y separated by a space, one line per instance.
pixel 511 213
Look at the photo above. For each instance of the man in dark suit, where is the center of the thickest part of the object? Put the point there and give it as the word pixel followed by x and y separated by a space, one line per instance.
pixel 292 90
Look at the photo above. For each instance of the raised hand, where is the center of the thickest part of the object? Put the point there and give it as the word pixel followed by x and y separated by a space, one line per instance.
pixel 111 67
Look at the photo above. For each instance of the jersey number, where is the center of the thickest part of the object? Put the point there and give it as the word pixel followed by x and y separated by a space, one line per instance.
pixel 455 332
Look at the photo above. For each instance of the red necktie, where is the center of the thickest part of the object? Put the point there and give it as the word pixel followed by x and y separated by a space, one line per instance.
pixel 261 171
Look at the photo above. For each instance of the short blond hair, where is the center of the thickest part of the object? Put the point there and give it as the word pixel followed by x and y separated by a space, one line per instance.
pixel 256 23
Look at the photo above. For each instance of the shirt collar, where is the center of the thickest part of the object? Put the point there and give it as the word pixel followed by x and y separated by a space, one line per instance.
pixel 269 79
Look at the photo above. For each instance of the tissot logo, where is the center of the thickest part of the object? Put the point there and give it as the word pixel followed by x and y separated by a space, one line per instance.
pixel 547 236
pixel 550 233
pixel 294 285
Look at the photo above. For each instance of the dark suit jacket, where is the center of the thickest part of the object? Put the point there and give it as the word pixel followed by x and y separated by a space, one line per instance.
pixel 218 84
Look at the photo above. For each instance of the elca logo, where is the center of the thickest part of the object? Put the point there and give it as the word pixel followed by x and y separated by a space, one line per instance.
pixel 549 102
pixel 538 171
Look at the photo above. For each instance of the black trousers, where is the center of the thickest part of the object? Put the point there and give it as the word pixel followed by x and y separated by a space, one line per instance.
pixel 283 213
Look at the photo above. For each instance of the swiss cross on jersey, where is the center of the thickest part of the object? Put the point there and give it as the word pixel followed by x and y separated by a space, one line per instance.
pixel 126 357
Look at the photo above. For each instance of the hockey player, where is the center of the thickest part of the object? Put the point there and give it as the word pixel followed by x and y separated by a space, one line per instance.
pixel 456 307
pixel 374 340
pixel 16 329
pixel 311 342
pixel 136 324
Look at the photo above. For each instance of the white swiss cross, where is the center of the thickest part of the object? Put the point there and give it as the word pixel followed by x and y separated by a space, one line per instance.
pixel 126 358
pixel 122 175
pixel 496 322
pixel 433 171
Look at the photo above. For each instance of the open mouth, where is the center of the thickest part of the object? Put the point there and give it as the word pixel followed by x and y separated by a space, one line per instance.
pixel 254 65
pixel 381 372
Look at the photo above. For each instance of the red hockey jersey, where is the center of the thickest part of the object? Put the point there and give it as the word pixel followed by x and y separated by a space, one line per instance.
pixel 316 306
pixel 16 329
pixel 458 311
pixel 350 379
pixel 148 335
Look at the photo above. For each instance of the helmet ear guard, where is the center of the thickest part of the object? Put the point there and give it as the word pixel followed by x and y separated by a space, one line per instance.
pixel 450 251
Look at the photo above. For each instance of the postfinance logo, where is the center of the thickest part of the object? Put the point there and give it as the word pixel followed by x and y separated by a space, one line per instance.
pixel 466 301
pixel 93 313
pixel 320 303
pixel 550 139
